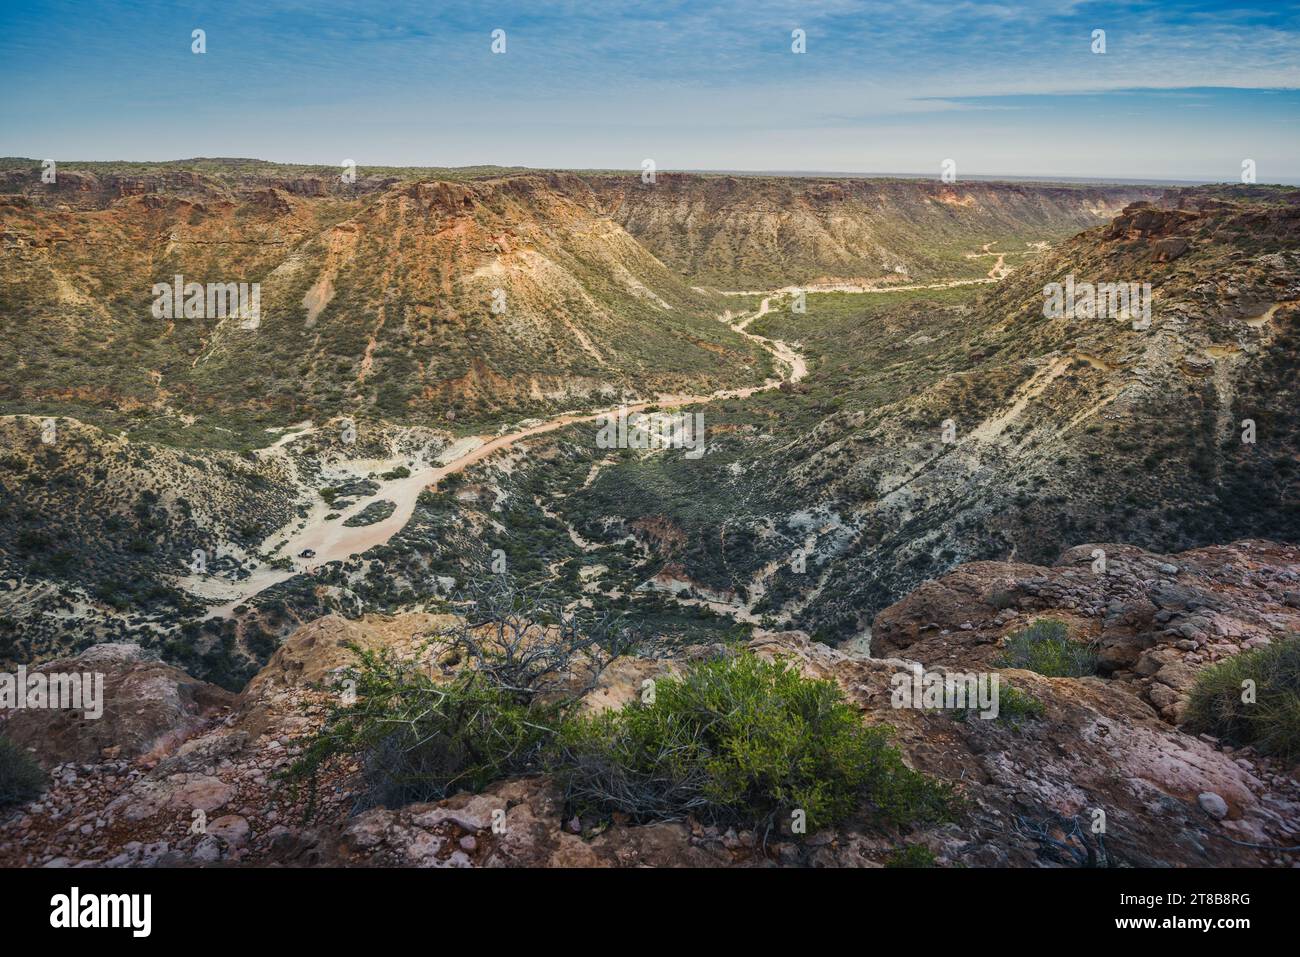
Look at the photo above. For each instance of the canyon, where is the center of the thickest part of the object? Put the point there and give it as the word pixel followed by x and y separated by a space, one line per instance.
pixel 905 463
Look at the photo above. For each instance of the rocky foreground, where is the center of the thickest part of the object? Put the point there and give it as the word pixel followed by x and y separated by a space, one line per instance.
pixel 172 753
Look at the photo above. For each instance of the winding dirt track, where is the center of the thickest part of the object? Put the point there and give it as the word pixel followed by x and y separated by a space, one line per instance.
pixel 333 541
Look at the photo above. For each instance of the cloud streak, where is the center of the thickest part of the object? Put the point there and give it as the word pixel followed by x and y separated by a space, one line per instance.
pixel 404 82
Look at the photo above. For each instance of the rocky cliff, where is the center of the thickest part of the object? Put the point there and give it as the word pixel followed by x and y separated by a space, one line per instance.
pixel 419 295
pixel 758 232
pixel 1030 785
pixel 940 427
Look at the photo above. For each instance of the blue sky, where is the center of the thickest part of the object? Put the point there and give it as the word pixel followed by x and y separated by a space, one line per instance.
pixel 1183 91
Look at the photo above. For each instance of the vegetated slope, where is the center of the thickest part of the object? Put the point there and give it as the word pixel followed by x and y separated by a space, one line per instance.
pixel 504 297
pixel 741 232
pixel 94 529
pixel 379 298
pixel 107 539
pixel 376 299
pixel 1064 429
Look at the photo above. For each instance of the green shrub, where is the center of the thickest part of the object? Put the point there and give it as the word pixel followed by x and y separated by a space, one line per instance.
pixel 21 778
pixel 1013 704
pixel 1045 647
pixel 740 741
pixel 913 855
pixel 421 740
pixel 1272 722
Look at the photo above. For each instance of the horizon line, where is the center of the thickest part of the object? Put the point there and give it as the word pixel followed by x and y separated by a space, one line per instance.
pixel 723 171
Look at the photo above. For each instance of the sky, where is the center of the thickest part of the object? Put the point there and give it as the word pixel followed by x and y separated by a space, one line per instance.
pixel 1184 90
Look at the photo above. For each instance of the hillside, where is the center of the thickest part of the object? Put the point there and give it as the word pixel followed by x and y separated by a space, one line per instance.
pixel 1059 428
pixel 419 301
pixel 767 232
pixel 817 504
pixel 463 300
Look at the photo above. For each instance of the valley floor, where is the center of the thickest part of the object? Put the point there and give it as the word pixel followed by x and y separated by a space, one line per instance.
pixel 333 540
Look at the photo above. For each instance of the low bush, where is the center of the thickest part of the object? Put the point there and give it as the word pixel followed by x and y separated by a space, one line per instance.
pixel 418 739
pixel 21 778
pixel 913 855
pixel 1046 647
pixel 735 740
pixel 1268 679
pixel 521 664
pixel 744 742
pixel 1013 705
